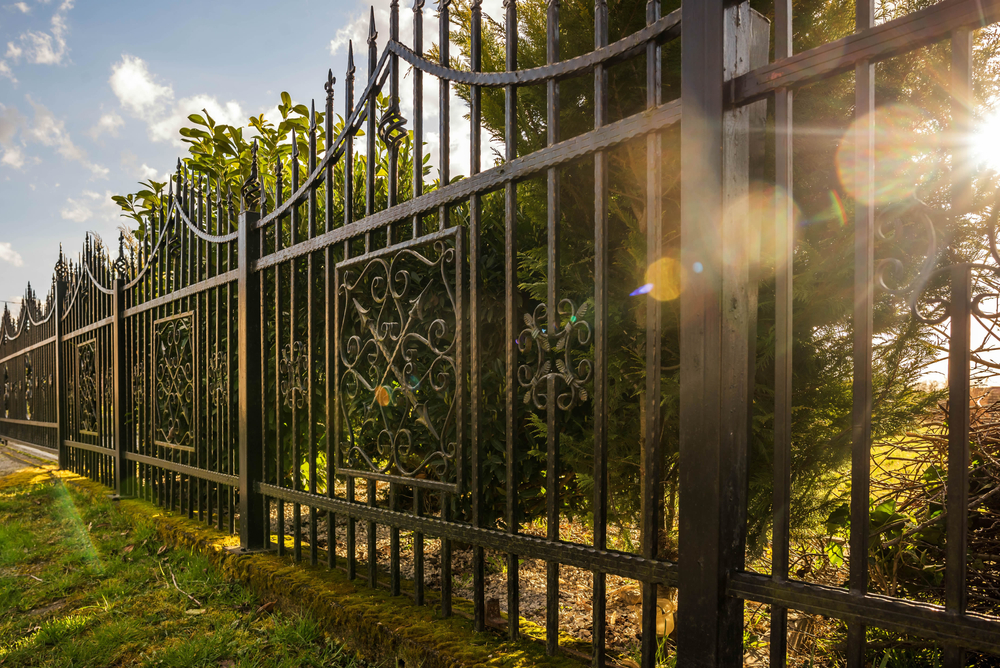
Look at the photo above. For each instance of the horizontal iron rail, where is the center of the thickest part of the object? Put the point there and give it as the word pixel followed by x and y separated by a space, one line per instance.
pixel 568 554
pixel 189 291
pixel 28 349
pixel 665 29
pixel 214 476
pixel 89 446
pixel 75 334
pixel 608 136
pixel 32 423
pixel 907 33
pixel 970 630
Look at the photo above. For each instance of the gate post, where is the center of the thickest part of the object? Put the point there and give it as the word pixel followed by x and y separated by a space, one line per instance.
pixel 60 294
pixel 253 519
pixel 717 295
pixel 120 377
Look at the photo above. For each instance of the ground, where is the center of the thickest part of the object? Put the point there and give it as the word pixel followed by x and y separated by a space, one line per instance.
pixel 83 584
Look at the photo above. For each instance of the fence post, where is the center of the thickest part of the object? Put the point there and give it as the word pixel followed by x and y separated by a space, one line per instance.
pixel 253 528
pixel 60 382
pixel 716 298
pixel 120 377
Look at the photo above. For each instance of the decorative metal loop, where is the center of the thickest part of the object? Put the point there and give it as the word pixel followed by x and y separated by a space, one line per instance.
pixel 558 349
pixel 293 372
pixel 87 354
pixel 218 376
pixel 912 211
pixel 391 126
pixel 174 387
pixel 398 376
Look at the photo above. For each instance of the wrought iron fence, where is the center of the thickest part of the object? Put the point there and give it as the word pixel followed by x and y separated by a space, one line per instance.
pixel 252 368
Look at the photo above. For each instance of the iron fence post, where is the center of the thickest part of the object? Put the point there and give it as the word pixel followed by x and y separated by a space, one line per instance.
pixel 120 392
pixel 716 298
pixel 253 518
pixel 60 384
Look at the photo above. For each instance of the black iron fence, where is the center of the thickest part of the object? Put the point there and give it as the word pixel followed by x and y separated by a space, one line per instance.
pixel 327 357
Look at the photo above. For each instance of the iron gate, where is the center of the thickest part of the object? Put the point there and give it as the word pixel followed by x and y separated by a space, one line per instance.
pixel 236 364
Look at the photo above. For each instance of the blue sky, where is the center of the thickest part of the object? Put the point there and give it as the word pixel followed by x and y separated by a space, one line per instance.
pixel 92 95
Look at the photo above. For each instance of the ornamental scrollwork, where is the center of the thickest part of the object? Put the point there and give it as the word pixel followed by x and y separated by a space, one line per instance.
pixel 218 377
pixel 923 291
pixel 88 391
pixel 559 349
pixel 398 344
pixel 174 382
pixel 293 373
pixel 29 386
pixel 6 392
pixel 138 386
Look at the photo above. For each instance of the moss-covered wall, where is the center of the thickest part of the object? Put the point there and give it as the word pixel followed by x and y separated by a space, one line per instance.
pixel 385 630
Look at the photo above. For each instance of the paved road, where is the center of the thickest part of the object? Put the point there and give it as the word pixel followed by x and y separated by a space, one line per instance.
pixel 12 460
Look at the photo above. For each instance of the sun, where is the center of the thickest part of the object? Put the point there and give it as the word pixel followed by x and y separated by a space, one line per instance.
pixel 986 141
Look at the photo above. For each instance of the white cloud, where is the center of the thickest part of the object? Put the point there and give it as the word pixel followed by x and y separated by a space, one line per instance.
pixel 108 123
pixel 13 157
pixel 6 72
pixel 44 48
pixel 146 172
pixel 135 87
pixel 21 7
pixel 76 210
pixel 50 131
pixel 142 96
pixel 356 30
pixel 8 254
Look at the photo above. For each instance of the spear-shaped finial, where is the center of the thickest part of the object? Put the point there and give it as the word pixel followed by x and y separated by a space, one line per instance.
pixel 331 81
pixel 350 60
pixel 312 117
pixel 61 265
pixel 295 144
pixel 372 33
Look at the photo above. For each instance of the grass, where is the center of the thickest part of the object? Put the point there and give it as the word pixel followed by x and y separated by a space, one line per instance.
pixel 82 584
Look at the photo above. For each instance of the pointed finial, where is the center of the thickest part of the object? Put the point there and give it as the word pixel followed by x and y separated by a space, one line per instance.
pixel 372 33
pixel 477 4
pixel 331 81
pixel 443 4
pixel 509 3
pixel 251 187
pixel 394 5
pixel 350 59
pixel 295 144
pixel 121 264
pixel 61 265
pixel 312 116
pixel 418 5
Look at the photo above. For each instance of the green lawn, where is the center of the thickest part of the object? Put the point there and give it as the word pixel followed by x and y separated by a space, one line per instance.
pixel 82 584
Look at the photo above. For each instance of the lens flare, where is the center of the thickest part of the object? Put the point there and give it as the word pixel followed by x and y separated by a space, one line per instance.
pixel 986 141
pixel 641 290
pixel 902 145
pixel 663 279
pixel 382 396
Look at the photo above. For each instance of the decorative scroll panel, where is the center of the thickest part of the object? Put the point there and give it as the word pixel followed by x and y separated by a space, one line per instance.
pixel 7 392
pixel 399 343
pixel 87 387
pixel 174 370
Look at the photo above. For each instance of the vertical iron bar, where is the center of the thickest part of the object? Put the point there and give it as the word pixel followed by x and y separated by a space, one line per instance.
pixel 652 451
pixel 510 307
pixel 293 340
pixel 62 425
pixel 475 283
pixel 444 107
pixel 784 243
pixel 310 337
pixel 394 572
pixel 864 243
pixel 349 148
pixel 418 111
pixel 957 502
pixel 552 326
pixel 371 148
pixel 600 339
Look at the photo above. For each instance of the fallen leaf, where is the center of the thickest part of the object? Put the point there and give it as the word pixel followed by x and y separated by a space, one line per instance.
pixel 163 548
pixel 127 549
pixel 196 611
pixel 630 663
pixel 228 663
pixel 267 607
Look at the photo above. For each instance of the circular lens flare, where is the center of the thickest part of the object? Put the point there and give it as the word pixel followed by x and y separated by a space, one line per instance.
pixel 902 144
pixel 663 280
